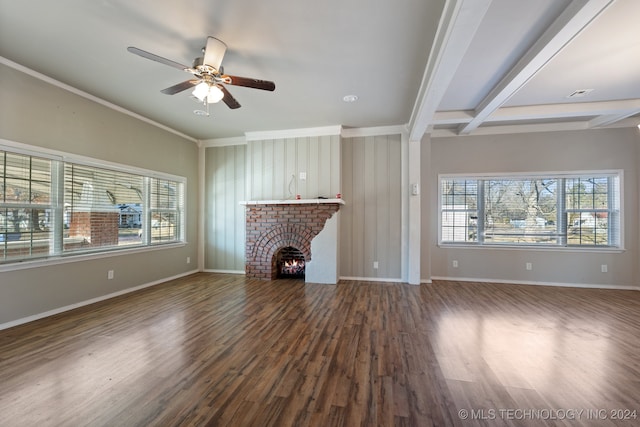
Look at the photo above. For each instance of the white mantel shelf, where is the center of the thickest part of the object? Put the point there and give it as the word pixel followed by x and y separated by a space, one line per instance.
pixel 292 202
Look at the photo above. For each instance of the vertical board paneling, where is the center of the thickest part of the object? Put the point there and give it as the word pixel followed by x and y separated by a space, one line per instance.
pixel 394 244
pixel 369 252
pixel 302 163
pixel 212 210
pixel 323 165
pixel 335 164
pixel 357 199
pixel 290 178
pixel 371 220
pixel 225 174
pixel 382 208
pixel 250 173
pixel 366 170
pixel 268 163
pixel 346 212
pixel 274 168
pixel 226 212
pixel 254 171
pixel 313 175
pixel 279 169
pixel 240 153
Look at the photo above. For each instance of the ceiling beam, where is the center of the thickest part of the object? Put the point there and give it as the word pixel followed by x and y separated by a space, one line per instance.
pixel 630 122
pixel 610 109
pixel 608 119
pixel 458 24
pixel 571 22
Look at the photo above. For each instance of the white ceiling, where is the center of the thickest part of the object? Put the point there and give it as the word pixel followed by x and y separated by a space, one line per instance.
pixel 442 66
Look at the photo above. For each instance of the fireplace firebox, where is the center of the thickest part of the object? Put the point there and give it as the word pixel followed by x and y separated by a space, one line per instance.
pixel 290 263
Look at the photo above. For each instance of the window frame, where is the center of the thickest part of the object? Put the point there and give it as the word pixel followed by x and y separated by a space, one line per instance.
pixel 57 253
pixel 561 207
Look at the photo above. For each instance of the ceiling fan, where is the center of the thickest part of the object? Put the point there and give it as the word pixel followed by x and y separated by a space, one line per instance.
pixel 209 78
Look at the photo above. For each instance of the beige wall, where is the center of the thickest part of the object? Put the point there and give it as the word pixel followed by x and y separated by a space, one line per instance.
pixel 538 152
pixel 42 115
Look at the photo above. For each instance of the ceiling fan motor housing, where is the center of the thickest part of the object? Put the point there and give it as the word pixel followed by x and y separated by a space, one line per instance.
pixel 202 68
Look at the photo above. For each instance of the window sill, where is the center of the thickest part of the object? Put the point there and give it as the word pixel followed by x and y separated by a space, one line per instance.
pixel 532 248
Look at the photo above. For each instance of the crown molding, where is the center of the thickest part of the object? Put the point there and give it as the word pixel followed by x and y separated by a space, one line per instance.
pixel 294 133
pixel 223 142
pixel 374 131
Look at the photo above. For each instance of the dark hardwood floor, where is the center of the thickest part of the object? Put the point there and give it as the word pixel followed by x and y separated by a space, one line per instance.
pixel 221 350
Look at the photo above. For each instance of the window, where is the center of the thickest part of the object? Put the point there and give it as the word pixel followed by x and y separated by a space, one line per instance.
pixel 52 207
pixel 559 210
pixel 164 210
pixel 25 206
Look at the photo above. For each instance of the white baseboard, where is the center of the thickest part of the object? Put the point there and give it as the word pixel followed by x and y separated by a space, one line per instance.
pixel 213 270
pixel 90 301
pixel 372 279
pixel 524 282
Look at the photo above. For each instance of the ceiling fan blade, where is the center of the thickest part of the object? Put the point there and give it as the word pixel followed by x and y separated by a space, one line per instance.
pixel 248 82
pixel 160 59
pixel 214 52
pixel 229 99
pixel 180 87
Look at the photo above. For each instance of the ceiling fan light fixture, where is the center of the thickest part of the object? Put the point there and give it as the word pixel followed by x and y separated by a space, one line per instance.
pixel 215 94
pixel 201 91
pixel 208 93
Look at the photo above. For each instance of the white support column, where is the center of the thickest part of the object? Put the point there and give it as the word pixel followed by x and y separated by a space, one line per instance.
pixel 414 191
pixel 429 213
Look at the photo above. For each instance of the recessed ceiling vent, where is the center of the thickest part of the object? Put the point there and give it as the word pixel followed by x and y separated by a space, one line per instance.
pixel 580 93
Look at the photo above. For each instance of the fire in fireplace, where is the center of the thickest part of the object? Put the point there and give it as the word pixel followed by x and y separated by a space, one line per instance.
pixel 290 263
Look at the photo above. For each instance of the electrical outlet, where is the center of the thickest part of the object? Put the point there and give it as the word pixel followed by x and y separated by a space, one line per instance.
pixel 375 264
pixel 529 266
pixel 110 274
pixel 455 263
pixel 303 176
pixel 188 260
pixel 604 268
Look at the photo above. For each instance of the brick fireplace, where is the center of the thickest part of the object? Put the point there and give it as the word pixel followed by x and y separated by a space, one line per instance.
pixel 274 225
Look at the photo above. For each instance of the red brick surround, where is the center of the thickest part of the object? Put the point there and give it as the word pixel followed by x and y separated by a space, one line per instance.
pixel 271 227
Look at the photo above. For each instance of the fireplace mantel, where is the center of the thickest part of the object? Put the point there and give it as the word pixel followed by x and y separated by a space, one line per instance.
pixel 292 202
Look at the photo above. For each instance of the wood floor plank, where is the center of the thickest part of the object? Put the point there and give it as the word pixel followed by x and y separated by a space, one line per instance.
pixel 223 350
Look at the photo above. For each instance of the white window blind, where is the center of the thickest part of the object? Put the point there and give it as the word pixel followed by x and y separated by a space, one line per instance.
pixel 94 202
pixel 165 205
